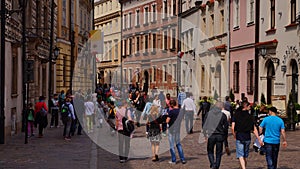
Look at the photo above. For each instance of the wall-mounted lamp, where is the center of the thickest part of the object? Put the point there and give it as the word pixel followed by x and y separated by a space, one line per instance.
pixel 280 13
pixel 263 52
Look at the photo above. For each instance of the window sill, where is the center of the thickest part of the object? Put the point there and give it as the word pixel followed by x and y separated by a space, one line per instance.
pixel 164 51
pixel 165 19
pixel 154 22
pixel 172 50
pixel 271 31
pixel 145 53
pixel 153 52
pixel 236 28
pixel 250 24
pixel 137 54
pixel 137 26
pixel 116 60
pixel 292 25
pixel 14 95
pixel 146 24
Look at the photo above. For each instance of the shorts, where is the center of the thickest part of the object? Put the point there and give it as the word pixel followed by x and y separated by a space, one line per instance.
pixel 242 148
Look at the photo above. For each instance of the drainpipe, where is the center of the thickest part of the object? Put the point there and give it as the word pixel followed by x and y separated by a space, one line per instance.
pixel 257 14
pixel 228 47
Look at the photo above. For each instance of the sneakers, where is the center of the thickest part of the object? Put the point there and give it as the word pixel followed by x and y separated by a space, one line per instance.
pixel 164 134
pixel 171 162
pixel 183 162
pixel 122 161
pixel 51 126
pixel 67 138
pixel 227 151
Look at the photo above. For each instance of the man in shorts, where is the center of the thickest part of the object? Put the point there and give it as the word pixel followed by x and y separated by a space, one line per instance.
pixel 242 126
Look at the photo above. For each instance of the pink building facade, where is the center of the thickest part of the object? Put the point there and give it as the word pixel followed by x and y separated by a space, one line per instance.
pixel 242 49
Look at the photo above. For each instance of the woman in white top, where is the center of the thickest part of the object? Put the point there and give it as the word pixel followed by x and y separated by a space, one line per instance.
pixel 89 111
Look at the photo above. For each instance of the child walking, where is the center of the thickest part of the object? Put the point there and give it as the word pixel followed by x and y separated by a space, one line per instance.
pixel 30 119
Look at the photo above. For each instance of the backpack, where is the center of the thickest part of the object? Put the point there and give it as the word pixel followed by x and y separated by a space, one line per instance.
pixel 65 111
pixel 128 125
pixel 112 113
pixel 30 115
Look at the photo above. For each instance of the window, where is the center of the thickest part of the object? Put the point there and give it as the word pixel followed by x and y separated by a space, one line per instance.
pixel 293 11
pixel 165 9
pixel 251 11
pixel 146 15
pixel 153 41
pixel 174 7
pixel 125 48
pixel 250 74
pixel 165 73
pixel 125 75
pixel 129 20
pixel 191 77
pixel 146 43
pixel 64 13
pixel 236 74
pixel 137 21
pixel 137 44
pixel 116 48
pixel 154 12
pixel 272 9
pixel 109 50
pixel 110 5
pixel 14 87
pixel 212 25
pixel 222 21
pixel 191 39
pixel 154 73
pixel 174 74
pixel 125 20
pixel 165 40
pixel 130 75
pixel 236 14
pixel 202 78
pixel 173 38
pixel 204 25
pixel 46 25
pixel 130 46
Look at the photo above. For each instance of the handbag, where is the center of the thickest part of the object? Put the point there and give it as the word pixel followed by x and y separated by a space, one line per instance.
pixel 43 111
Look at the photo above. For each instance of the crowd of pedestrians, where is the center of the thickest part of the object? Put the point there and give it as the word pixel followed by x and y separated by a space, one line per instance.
pixel 124 111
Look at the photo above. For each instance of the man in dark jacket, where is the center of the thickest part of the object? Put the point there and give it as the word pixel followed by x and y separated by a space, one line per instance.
pixel 204 108
pixel 215 129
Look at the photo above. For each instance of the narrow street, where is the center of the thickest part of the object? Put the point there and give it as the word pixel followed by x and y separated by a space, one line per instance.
pixel 53 152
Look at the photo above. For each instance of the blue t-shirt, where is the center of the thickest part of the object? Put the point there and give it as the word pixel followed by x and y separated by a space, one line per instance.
pixel 273 126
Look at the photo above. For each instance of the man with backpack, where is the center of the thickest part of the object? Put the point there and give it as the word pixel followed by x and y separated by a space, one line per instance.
pixel 67 115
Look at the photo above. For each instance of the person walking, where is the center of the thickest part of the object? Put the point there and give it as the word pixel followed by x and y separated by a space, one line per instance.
pixel 173 120
pixel 30 118
pixel 67 115
pixel 274 126
pixel 189 108
pixel 228 116
pixel 242 125
pixel 123 135
pixel 204 108
pixel 154 132
pixel 40 116
pixel 216 130
pixel 181 96
pixel 89 112
pixel 54 111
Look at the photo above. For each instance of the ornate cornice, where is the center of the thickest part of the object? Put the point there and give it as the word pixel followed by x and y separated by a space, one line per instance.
pixel 108 17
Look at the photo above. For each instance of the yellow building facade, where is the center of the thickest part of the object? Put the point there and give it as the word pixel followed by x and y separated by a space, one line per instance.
pixel 74 21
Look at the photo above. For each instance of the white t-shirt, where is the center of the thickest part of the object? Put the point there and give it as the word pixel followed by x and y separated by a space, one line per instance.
pixel 89 108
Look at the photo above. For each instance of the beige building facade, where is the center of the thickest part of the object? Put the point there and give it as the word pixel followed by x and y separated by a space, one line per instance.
pixel 108 20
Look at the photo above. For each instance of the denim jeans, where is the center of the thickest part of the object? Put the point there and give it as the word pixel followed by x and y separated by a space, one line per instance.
pixel 189 121
pixel 242 148
pixel 215 140
pixel 67 127
pixel 174 139
pixel 272 151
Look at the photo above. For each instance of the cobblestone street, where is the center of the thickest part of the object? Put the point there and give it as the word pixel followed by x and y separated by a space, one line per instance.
pixel 53 152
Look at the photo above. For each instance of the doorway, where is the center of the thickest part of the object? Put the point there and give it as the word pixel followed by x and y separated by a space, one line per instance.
pixel 270 77
pixel 294 80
